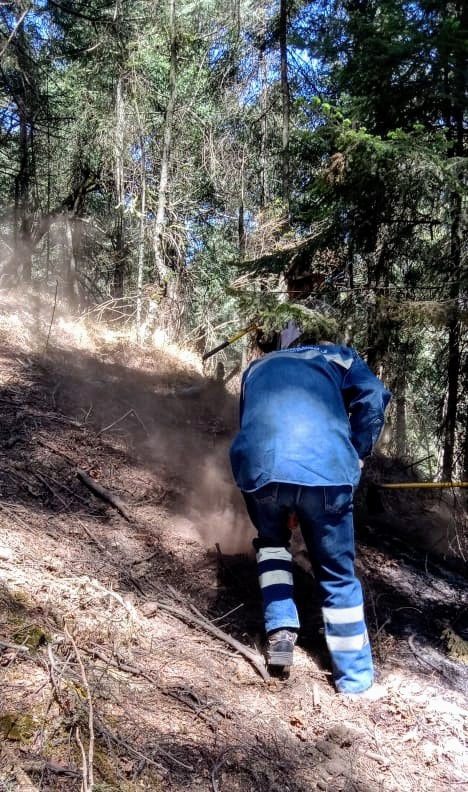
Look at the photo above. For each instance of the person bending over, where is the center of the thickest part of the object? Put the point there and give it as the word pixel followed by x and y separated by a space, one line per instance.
pixel 309 415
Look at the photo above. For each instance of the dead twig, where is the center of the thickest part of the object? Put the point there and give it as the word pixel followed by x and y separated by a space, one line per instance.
pixel 14 31
pixel 52 668
pixel 84 771
pixel 114 423
pixel 51 490
pixel 105 592
pixel 88 773
pixel 228 613
pixel 14 517
pixel 104 732
pixel 48 416
pixel 103 493
pixel 41 765
pixel 67 489
pixel 55 450
pixel 52 317
pixel 122 418
pixel 91 536
pixel 201 621
pixel 128 668
pixel 19 648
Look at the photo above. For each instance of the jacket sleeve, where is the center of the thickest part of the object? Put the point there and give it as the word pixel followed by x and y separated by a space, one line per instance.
pixel 241 399
pixel 366 399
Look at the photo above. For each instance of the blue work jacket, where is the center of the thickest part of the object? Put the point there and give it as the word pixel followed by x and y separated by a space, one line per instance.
pixel 307 415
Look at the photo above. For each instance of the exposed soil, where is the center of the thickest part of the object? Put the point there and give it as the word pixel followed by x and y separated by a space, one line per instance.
pixel 97 607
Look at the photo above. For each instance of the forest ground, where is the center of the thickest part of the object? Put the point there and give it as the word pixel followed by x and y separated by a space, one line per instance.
pixel 97 608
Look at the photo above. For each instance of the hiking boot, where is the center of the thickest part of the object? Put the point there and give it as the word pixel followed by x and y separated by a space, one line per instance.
pixel 280 648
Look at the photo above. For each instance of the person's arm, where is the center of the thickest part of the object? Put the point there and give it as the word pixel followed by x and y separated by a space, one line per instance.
pixel 366 399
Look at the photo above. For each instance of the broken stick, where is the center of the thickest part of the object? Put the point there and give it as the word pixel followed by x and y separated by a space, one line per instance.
pixel 104 494
pixel 255 659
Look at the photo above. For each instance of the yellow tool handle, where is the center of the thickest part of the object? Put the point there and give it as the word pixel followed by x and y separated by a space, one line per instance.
pixel 426 485
pixel 228 342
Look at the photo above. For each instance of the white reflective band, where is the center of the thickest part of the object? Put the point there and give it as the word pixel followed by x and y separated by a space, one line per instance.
pixel 273 554
pixel 350 643
pixel 276 577
pixel 343 615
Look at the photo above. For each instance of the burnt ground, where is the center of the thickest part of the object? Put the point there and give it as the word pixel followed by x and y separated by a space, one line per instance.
pixel 97 609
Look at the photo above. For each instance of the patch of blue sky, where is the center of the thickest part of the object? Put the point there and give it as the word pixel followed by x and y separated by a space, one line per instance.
pixel 414 11
pixel 9 118
pixel 38 23
pixel 219 50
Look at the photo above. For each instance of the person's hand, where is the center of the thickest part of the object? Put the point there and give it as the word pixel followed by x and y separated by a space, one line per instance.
pixel 361 463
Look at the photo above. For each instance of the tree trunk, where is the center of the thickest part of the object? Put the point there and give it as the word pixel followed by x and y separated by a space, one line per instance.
pixel 119 232
pixel 456 127
pixel 241 217
pixel 23 221
pixel 453 376
pixel 162 269
pixel 264 128
pixel 283 35
pixel 71 279
pixel 400 409
pixel 141 243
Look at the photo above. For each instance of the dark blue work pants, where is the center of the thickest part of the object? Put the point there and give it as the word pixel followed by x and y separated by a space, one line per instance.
pixel 325 515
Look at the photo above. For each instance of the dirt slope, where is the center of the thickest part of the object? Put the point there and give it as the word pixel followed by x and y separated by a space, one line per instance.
pixel 98 609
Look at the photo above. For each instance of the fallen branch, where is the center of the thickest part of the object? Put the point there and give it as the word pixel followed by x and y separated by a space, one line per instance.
pixel 255 659
pixel 103 493
pixel 42 765
pixel 19 648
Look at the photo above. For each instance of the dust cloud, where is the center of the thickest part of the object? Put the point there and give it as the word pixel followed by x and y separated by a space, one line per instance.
pixel 180 426
pixel 216 510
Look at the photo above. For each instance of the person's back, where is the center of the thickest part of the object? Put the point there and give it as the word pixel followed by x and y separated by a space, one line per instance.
pixel 295 424
pixel 308 416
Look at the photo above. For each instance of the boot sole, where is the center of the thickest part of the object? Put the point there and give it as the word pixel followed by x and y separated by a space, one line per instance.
pixel 284 659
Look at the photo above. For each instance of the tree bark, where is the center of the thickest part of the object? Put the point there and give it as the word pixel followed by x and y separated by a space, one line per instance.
pixel 241 216
pixel 119 232
pixel 71 275
pixel 163 272
pixel 400 408
pixel 23 219
pixel 455 124
pixel 285 100
pixel 264 128
pixel 141 242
